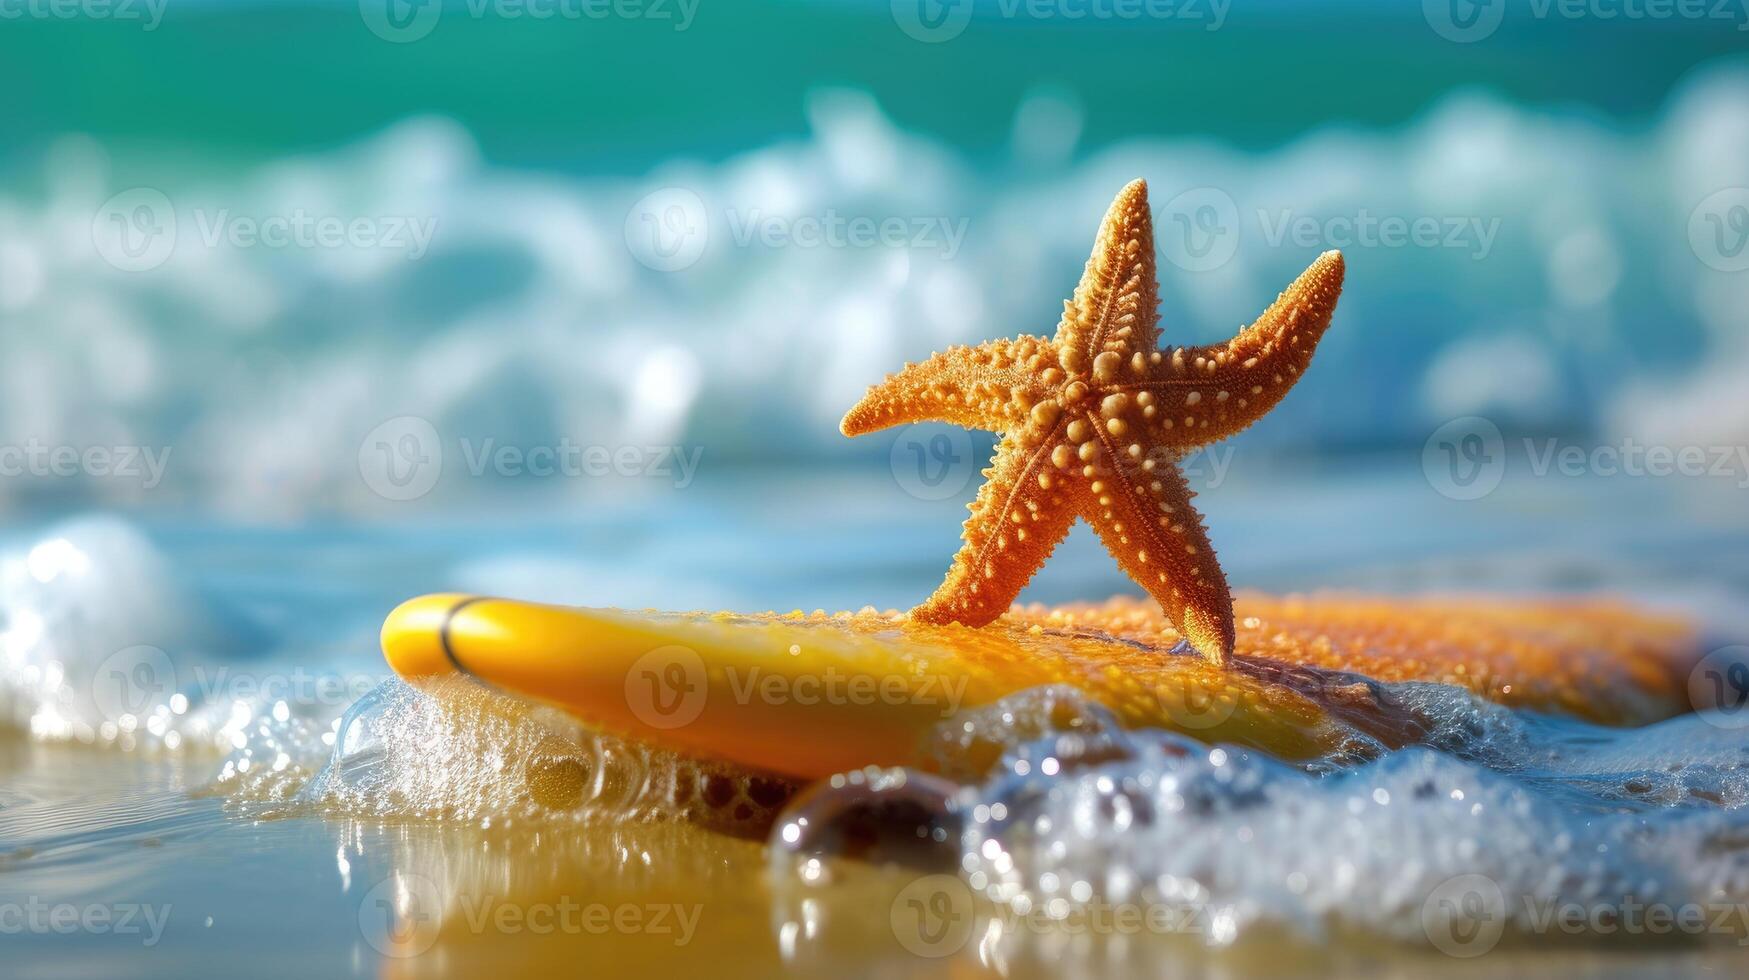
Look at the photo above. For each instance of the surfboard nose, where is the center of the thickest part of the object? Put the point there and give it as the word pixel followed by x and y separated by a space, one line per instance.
pixel 413 634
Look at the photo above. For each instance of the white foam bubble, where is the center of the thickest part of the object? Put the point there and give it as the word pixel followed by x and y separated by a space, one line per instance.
pixel 457 751
pixel 1549 814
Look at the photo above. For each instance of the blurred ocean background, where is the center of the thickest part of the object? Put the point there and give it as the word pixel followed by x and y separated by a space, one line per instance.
pixel 644 231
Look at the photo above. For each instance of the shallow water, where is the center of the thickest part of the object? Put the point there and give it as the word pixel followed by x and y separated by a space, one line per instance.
pixel 209 771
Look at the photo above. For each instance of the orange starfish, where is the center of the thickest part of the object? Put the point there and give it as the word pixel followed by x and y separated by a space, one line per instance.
pixel 1094 422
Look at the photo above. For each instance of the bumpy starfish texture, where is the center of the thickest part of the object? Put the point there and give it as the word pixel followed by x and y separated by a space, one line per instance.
pixel 1094 422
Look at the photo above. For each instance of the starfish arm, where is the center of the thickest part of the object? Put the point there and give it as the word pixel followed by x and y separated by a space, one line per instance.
pixel 1210 393
pixel 1020 515
pixel 1116 306
pixel 989 386
pixel 1148 524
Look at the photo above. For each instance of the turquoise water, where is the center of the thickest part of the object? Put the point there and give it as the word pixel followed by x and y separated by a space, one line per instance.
pixel 1583 281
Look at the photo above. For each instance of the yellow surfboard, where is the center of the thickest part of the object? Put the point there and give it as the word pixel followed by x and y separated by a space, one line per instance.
pixel 807 695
